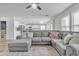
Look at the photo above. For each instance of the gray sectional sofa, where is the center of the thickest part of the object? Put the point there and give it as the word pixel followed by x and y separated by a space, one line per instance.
pixel 41 37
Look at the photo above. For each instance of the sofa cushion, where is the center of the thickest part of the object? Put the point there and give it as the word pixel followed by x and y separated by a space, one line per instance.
pixel 61 44
pixel 55 40
pixel 44 34
pixel 36 39
pixel 75 39
pixel 67 38
pixel 37 34
pixel 46 39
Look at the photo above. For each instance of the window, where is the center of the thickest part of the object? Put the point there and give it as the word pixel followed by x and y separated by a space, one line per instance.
pixel 65 23
pixel 76 22
pixel 42 27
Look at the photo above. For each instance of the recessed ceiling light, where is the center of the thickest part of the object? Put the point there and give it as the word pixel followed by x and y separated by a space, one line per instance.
pixel 41 22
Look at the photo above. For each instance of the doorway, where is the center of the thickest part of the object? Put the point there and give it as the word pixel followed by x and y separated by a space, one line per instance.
pixel 2 30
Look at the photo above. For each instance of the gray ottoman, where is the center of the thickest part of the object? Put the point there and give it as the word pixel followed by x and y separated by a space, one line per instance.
pixel 21 45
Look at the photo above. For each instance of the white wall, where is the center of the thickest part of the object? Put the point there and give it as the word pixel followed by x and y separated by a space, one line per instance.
pixel 10 28
pixel 16 24
pixel 11 25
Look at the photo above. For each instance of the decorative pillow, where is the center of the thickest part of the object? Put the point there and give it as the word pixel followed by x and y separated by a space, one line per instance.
pixel 60 36
pixel 37 34
pixel 54 35
pixel 67 39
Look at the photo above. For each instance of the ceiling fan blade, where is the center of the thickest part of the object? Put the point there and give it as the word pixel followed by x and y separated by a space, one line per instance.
pixel 38 7
pixel 37 3
pixel 28 6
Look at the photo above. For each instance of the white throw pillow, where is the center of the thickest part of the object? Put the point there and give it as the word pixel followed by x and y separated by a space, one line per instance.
pixel 67 39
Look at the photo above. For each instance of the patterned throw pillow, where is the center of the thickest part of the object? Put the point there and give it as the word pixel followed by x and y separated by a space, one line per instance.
pixel 54 35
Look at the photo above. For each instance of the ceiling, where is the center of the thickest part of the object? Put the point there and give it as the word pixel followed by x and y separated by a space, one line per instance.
pixel 18 10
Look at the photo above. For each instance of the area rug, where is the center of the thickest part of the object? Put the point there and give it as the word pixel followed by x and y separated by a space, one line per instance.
pixel 34 51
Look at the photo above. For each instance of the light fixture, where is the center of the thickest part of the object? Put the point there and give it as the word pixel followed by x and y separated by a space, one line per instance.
pixel 41 22
pixel 34 6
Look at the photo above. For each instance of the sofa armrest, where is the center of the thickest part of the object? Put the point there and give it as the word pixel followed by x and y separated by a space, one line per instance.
pixel 72 50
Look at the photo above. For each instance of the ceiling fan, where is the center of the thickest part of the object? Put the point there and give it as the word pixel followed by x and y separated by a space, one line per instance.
pixel 34 6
